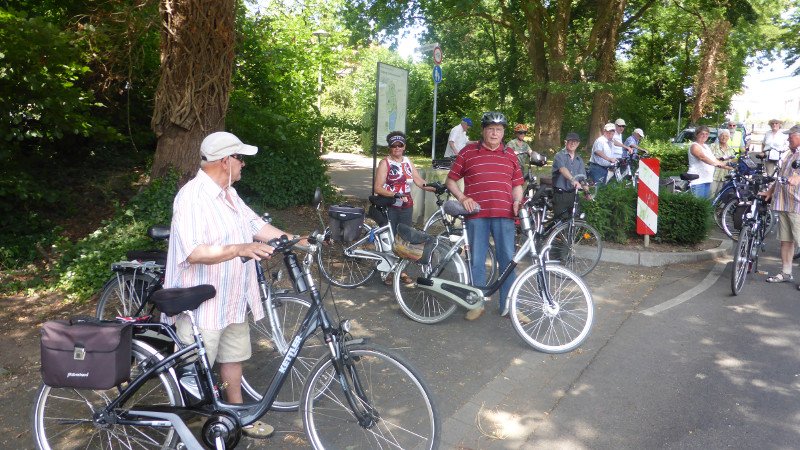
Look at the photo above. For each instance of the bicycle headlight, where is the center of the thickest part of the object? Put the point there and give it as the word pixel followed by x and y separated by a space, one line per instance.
pixel 345 325
pixel 582 215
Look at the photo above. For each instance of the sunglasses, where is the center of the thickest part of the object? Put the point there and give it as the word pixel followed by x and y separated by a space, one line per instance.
pixel 397 145
pixel 731 126
pixel 238 156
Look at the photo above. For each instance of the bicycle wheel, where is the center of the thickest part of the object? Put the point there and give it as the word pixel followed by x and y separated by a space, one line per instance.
pixel 342 270
pixel 123 293
pixel 741 261
pixel 270 343
pixel 383 387
pixel 578 247
pixel 727 219
pixel 62 418
pixel 557 329
pixel 435 227
pixel 421 305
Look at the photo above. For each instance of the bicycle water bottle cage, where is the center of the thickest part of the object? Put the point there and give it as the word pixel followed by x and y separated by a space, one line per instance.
pixel 454 208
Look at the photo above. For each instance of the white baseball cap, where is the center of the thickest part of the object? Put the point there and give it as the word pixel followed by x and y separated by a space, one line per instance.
pixel 619 122
pixel 639 132
pixel 221 144
pixel 609 127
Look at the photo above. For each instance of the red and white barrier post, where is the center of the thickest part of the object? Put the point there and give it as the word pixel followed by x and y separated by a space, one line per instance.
pixel 647 204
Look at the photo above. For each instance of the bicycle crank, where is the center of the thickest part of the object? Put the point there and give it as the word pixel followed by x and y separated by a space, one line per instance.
pixel 465 295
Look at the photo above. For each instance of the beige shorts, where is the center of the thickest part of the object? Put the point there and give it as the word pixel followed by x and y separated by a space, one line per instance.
pixel 230 344
pixel 788 226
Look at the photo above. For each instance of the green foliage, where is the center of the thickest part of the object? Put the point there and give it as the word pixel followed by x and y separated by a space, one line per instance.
pixel 673 158
pixel 683 218
pixel 84 266
pixel 613 212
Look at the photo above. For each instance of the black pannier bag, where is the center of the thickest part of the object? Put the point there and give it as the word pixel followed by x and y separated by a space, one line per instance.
pixel 345 223
pixel 738 215
pixel 85 353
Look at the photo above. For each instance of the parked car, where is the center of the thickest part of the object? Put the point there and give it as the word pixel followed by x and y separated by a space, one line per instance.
pixel 687 135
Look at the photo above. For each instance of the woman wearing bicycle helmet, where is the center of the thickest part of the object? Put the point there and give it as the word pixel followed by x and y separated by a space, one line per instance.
pixel 492 179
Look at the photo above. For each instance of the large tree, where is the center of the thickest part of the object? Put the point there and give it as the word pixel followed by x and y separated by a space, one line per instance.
pixel 197 53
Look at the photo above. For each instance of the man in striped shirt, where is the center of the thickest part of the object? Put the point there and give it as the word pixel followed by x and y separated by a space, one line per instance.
pixel 492 179
pixel 212 229
pixel 786 201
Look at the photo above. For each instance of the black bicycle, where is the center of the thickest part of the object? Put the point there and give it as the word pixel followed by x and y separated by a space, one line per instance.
pixel 357 396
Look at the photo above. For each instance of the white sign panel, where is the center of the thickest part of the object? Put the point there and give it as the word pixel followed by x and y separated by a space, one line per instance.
pixel 392 100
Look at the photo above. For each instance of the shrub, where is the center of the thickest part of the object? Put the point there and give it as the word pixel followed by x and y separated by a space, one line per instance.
pixel 683 218
pixel 84 266
pixel 613 212
pixel 674 158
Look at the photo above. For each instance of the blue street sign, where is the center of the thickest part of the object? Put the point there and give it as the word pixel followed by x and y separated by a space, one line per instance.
pixel 437 74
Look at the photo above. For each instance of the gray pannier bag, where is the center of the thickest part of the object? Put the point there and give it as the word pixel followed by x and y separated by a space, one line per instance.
pixel 345 223
pixel 86 353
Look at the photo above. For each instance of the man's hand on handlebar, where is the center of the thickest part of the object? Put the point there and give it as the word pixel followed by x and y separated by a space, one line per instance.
pixel 254 250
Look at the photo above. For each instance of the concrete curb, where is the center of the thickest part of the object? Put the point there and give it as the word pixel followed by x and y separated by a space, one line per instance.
pixel 656 259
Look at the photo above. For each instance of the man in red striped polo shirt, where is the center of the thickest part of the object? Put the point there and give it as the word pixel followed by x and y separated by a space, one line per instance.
pixel 492 179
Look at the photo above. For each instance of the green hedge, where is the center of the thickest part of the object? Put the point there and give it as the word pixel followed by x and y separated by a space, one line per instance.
pixel 682 218
pixel 674 158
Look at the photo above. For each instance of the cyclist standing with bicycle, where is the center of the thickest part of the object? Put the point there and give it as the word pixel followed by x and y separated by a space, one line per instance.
pixel 786 202
pixel 602 154
pixel 212 228
pixel 566 165
pixel 492 180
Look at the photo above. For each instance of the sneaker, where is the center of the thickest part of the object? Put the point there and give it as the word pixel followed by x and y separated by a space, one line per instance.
pixel 258 430
pixel 474 314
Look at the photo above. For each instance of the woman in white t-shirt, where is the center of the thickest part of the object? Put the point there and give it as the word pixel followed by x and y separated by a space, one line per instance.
pixel 775 145
pixel 702 162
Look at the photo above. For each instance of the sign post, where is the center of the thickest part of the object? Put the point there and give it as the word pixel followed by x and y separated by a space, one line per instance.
pixel 647 203
pixel 437 78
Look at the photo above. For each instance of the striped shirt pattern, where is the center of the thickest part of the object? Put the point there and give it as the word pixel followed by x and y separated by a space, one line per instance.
pixel 203 216
pixel 489 176
pixel 786 197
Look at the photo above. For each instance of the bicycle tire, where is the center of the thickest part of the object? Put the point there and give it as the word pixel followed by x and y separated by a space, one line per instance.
pixel 342 270
pixel 404 411
pixel 62 418
pixel 741 261
pixel 727 220
pixel 269 345
pixel 124 293
pixel 435 227
pixel 420 305
pixel 552 330
pixel 578 249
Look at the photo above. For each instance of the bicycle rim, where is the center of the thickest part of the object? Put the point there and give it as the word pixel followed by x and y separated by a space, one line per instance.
pixel 62 418
pixel 578 248
pixel 269 344
pixel 421 305
pixel 727 220
pixel 342 270
pixel 551 329
pixel 122 295
pixel 400 402
pixel 741 262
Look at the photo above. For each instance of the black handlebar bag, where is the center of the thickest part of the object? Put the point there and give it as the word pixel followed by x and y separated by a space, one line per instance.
pixel 85 353
pixel 345 222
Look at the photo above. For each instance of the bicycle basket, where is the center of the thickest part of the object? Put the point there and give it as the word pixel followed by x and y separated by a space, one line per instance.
pixel 345 223
pixel 85 353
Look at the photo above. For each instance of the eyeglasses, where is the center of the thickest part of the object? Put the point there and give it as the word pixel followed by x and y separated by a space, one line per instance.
pixel 397 145
pixel 731 126
pixel 238 156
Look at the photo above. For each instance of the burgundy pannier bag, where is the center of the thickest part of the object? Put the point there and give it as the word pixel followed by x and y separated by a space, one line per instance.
pixel 85 353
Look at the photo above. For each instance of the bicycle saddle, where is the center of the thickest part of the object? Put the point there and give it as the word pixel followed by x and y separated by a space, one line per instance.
pixel 158 232
pixel 689 176
pixel 454 208
pixel 381 201
pixel 176 300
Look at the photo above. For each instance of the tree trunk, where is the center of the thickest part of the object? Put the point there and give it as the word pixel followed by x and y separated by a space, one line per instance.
pixel 197 52
pixel 710 71
pixel 609 19
pixel 549 115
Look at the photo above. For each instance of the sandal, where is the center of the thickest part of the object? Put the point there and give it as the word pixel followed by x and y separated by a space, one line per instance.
pixel 258 430
pixel 780 278
pixel 405 279
pixel 389 280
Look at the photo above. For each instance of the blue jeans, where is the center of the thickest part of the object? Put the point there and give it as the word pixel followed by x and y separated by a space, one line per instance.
pixel 702 190
pixel 598 173
pixel 503 232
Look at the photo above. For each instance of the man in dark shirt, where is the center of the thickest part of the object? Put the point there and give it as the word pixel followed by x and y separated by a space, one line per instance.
pixel 567 164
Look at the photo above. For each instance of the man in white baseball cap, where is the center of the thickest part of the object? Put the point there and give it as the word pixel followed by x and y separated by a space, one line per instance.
pixel 602 155
pixel 634 139
pixel 618 148
pixel 212 229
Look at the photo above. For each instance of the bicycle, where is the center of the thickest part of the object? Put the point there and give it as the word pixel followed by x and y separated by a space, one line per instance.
pixel 550 306
pixel 572 241
pixel 128 293
pixel 359 392
pixel 751 239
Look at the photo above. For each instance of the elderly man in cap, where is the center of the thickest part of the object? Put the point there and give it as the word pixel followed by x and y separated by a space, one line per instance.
pixel 634 139
pixel 212 229
pixel 458 138
pixel 567 164
pixel 786 202
pixel 620 149
pixel 602 154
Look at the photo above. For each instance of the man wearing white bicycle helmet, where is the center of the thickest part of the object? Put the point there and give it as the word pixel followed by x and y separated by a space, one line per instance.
pixel 492 179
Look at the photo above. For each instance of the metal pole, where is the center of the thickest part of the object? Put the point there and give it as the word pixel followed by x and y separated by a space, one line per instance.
pixel 433 138
pixel 375 124
pixel 680 105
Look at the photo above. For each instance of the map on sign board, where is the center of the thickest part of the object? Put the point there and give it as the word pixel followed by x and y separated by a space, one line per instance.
pixel 392 100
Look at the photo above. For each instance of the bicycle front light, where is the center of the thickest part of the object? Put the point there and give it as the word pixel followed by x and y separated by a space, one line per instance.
pixel 345 325
pixel 582 216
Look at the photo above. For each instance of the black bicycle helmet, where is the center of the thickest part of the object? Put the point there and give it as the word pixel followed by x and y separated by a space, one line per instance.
pixel 493 117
